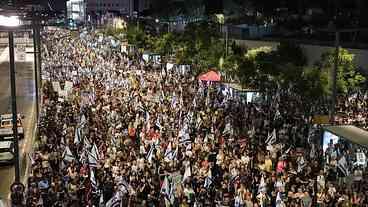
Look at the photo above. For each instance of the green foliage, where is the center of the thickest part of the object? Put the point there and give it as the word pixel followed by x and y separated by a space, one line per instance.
pixel 348 78
pixel 313 84
pixel 289 52
pixel 136 36
pixel 164 44
pixel 118 34
pixel 264 67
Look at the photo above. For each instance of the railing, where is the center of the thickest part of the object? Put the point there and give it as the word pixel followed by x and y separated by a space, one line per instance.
pixel 22 40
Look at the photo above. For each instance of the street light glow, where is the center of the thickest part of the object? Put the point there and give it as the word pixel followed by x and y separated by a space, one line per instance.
pixel 9 21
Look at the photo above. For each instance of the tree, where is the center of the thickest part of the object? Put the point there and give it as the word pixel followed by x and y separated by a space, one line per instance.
pixel 164 44
pixel 312 85
pixel 289 52
pixel 348 77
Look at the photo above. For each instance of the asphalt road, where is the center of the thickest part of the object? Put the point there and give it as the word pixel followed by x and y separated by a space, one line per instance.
pixel 25 106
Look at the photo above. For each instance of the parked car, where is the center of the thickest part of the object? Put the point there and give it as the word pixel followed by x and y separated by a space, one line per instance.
pixel 6 126
pixel 6 152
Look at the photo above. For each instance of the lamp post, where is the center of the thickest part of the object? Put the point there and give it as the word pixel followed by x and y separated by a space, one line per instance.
pixel 14 105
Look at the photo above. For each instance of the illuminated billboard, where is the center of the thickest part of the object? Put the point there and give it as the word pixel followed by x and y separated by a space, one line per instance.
pixel 76 10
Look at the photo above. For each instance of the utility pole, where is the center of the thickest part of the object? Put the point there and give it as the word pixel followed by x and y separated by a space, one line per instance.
pixel 36 60
pixel 334 75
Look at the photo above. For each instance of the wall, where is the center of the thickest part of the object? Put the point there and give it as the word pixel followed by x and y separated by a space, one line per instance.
pixel 313 52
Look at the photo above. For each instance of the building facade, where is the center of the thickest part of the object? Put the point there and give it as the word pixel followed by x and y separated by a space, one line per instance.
pixel 123 7
pixel 76 10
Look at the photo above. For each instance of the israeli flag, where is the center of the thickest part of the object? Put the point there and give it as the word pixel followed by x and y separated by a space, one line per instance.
pixel 115 201
pixel 262 186
pixel 170 154
pixel 238 202
pixel 93 180
pixel 208 182
pixel 83 121
pixel 185 139
pixel 31 158
pixel 150 153
pixel 271 139
pixel 343 166
pixel 77 136
pixel 67 155
pixel 165 188
pixel 124 187
pixel 86 144
pixel 83 157
pixel 92 160
pixel 95 151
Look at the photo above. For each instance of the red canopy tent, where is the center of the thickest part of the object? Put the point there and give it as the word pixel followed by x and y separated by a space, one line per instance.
pixel 210 76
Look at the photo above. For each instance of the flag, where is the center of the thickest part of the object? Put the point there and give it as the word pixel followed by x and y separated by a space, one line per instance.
pixel 278 197
pixel 67 155
pixel 271 139
pixel 124 187
pixel 115 201
pixel 158 124
pixel 95 151
pixel 77 136
pixel 238 202
pixel 172 193
pixel 228 129
pixel 86 143
pixel 83 120
pixel 165 188
pixel 170 154
pixel 93 180
pixel 208 182
pixel 92 160
pixel 31 158
pixel 187 173
pixel 232 180
pixel 188 147
pixel 168 149
pixel 343 166
pixel 83 157
pixel 301 163
pixel 262 186
pixel 150 153
pixel 185 139
pixel 279 202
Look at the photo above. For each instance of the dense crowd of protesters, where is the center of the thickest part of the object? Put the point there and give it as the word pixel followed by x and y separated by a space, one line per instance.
pixel 116 132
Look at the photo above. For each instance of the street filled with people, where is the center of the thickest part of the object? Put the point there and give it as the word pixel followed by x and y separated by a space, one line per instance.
pixel 115 131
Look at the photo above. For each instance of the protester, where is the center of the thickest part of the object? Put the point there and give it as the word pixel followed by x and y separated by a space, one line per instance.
pixel 115 131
